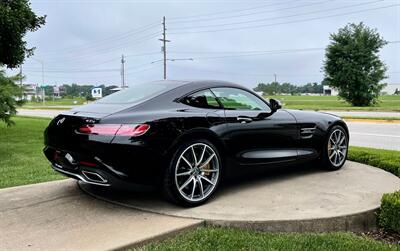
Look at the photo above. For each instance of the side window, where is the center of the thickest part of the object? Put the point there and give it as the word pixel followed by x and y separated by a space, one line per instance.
pixel 202 99
pixel 238 99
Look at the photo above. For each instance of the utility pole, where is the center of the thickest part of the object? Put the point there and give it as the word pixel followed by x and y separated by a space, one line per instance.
pixel 275 77
pixel 122 72
pixel 164 48
pixel 42 87
pixel 43 93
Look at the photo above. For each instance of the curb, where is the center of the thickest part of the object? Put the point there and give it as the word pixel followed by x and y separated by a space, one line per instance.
pixel 358 222
pixel 160 237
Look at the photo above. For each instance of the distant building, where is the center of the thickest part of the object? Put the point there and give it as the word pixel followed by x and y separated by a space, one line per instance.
pixel 58 91
pixel 329 91
pixel 30 92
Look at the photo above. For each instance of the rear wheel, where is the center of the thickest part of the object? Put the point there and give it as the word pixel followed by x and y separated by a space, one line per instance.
pixel 193 174
pixel 335 150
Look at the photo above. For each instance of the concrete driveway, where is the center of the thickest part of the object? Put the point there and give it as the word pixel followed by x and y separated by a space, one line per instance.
pixel 59 216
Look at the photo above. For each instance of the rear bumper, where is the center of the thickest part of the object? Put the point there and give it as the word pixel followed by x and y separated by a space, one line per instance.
pixel 113 169
pixel 101 181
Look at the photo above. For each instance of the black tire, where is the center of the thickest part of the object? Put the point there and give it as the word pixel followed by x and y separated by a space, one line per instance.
pixel 325 161
pixel 170 186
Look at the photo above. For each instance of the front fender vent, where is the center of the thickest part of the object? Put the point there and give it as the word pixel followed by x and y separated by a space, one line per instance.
pixel 307 132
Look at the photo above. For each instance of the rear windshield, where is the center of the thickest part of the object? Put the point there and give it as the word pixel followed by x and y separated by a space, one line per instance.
pixel 138 93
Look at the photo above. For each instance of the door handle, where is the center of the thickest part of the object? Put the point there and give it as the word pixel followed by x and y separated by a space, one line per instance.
pixel 244 119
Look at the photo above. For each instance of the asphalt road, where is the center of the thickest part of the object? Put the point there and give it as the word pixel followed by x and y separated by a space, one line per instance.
pixel 375 135
pixel 364 113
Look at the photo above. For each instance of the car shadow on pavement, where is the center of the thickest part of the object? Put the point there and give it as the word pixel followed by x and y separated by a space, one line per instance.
pixel 243 180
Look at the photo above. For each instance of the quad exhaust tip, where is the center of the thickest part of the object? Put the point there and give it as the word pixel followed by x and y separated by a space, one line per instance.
pixel 94 177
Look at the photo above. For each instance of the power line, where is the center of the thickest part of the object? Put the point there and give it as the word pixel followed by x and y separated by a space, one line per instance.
pixel 111 47
pixel 260 74
pixel 280 17
pixel 143 70
pixel 255 52
pixel 289 22
pixel 124 35
pixel 114 59
pixel 261 53
pixel 233 54
pixel 230 11
pixel 254 13
pixel 72 71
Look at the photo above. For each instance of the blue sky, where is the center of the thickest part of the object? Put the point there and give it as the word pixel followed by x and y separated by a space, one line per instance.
pixel 241 41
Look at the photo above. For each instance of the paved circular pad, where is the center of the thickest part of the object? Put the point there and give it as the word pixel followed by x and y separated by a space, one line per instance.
pixel 298 199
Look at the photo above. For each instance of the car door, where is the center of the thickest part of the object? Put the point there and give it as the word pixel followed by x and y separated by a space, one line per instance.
pixel 254 134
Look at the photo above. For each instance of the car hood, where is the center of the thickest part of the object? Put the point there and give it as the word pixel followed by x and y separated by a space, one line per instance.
pixel 302 116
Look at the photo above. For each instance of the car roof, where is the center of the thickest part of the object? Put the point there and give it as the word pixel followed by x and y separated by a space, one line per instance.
pixel 199 83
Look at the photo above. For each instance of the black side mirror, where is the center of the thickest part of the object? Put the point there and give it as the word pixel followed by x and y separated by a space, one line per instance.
pixel 274 105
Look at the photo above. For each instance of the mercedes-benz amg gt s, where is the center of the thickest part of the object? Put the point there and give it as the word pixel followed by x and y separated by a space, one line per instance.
pixel 186 136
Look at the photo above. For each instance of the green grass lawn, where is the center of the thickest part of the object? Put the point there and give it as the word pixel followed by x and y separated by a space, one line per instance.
pixel 386 103
pixel 212 238
pixel 21 157
pixel 58 102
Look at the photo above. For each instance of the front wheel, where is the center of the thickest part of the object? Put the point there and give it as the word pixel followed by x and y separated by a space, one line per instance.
pixel 335 150
pixel 193 174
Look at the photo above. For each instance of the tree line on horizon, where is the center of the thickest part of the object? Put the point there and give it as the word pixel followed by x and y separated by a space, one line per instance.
pixel 75 90
pixel 275 88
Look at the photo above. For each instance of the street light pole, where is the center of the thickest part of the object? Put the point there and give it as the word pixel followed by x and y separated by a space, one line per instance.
pixel 43 93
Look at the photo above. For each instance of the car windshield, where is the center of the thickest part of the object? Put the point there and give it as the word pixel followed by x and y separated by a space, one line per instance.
pixel 138 93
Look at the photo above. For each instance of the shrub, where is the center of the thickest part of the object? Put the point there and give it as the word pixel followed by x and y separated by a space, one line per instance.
pixel 387 160
pixel 389 217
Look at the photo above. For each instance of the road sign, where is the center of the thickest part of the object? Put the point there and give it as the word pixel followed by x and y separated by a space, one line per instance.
pixel 97 93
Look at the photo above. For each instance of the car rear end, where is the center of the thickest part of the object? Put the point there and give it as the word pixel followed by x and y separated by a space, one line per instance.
pixel 86 149
pixel 107 142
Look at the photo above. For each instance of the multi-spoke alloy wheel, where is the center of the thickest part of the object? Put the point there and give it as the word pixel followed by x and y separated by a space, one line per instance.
pixel 197 172
pixel 335 153
pixel 337 147
pixel 194 173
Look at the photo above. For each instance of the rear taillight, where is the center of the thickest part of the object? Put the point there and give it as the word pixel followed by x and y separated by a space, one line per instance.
pixel 133 130
pixel 114 129
pixel 99 129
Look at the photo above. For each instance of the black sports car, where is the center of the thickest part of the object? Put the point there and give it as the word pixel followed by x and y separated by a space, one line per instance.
pixel 185 136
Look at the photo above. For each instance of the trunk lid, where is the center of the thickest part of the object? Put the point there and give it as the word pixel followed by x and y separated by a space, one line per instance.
pixel 98 110
pixel 62 130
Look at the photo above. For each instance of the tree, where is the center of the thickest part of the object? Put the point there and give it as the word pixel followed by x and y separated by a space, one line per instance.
pixel 16 19
pixel 352 64
pixel 9 92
